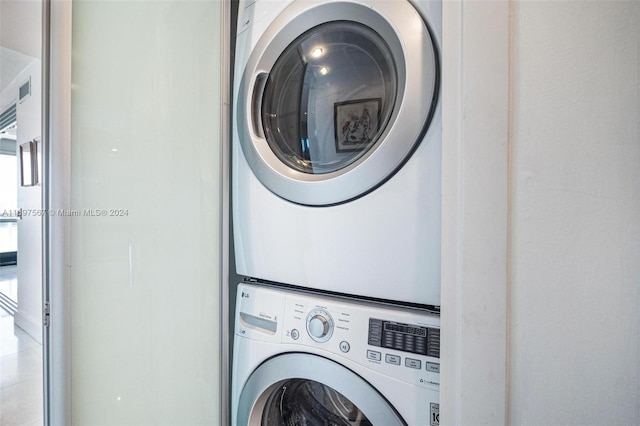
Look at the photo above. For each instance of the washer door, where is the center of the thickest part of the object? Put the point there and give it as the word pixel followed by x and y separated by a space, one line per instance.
pixel 303 389
pixel 335 97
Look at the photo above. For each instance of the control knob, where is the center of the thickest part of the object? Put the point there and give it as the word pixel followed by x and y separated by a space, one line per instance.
pixel 319 325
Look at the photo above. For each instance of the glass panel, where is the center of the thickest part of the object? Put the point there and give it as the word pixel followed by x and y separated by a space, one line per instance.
pixel 145 190
pixel 299 402
pixel 329 97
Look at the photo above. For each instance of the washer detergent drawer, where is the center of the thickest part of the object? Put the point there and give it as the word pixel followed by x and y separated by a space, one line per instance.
pixel 259 314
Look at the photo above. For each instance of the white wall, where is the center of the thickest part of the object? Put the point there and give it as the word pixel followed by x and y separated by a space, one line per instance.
pixel 20 37
pixel 144 287
pixel 29 270
pixel 21 26
pixel 20 52
pixel 571 347
pixel 575 206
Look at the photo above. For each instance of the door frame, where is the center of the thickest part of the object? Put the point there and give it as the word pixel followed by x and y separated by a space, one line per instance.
pixel 475 212
pixel 56 116
pixel 475 220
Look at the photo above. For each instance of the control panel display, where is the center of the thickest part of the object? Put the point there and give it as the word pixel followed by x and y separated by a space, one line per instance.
pixel 404 337
pixel 406 329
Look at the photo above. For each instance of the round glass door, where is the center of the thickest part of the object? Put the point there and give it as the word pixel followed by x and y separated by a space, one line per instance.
pixel 329 97
pixel 296 389
pixel 335 97
pixel 299 402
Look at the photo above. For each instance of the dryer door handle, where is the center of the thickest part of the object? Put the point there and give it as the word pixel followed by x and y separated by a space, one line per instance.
pixel 256 104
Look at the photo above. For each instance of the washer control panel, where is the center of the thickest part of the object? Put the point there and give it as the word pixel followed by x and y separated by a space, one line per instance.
pixel 399 342
pixel 404 337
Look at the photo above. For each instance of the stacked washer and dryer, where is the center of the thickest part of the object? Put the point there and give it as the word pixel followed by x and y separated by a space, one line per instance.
pixel 336 210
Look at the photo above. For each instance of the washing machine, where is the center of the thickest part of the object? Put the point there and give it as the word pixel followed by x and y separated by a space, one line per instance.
pixel 336 147
pixel 306 359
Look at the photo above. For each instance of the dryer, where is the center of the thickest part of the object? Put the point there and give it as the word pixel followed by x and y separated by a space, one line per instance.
pixel 300 358
pixel 336 146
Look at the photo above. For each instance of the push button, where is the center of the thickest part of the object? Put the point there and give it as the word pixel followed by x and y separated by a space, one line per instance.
pixel 413 363
pixel 295 334
pixel 392 359
pixel 345 346
pixel 433 367
pixel 373 355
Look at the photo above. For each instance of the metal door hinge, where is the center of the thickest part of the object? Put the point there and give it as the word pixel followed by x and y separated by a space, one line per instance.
pixel 46 314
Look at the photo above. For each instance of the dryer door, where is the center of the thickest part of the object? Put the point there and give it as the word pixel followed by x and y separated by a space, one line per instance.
pixel 335 97
pixel 302 389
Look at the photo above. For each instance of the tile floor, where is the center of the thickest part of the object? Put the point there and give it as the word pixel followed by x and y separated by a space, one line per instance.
pixel 9 282
pixel 20 371
pixel 8 288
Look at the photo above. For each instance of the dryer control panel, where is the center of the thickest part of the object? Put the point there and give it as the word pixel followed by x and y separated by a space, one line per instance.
pixel 399 342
